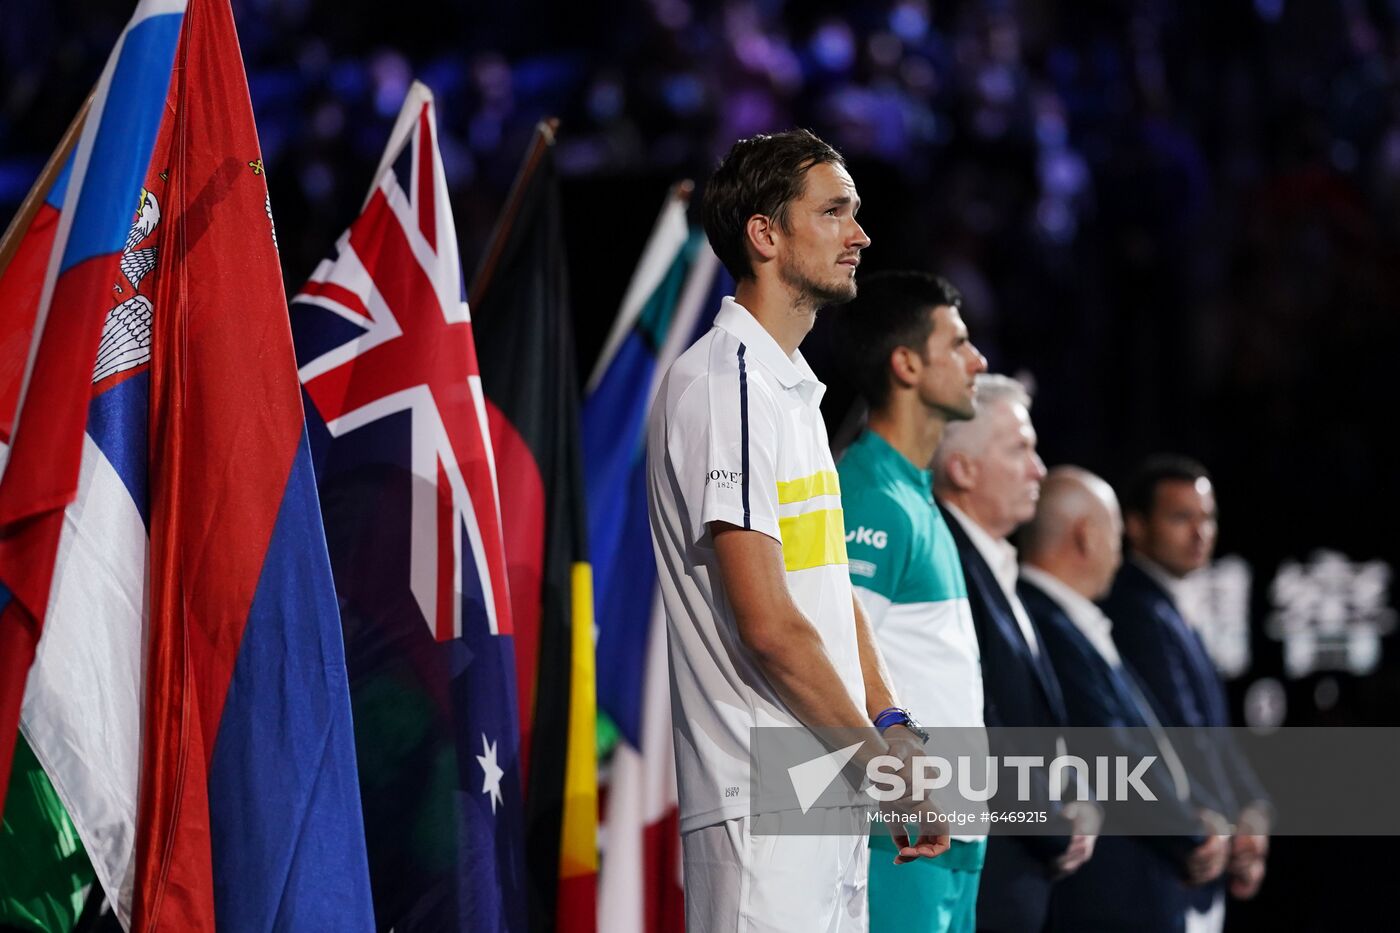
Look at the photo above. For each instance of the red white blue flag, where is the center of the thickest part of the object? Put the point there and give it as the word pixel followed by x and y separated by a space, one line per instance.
pixel 409 494
pixel 56 291
pixel 188 697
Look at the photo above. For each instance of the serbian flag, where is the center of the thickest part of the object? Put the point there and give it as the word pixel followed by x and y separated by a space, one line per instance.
pixel 672 293
pixel 408 490
pixel 523 330
pixel 188 699
pixel 62 257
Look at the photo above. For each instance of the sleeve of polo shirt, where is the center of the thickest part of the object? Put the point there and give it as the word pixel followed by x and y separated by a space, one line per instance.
pixel 739 456
pixel 878 541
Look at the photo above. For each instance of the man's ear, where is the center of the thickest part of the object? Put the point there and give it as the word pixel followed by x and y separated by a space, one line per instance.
pixel 762 235
pixel 962 471
pixel 904 366
pixel 1082 536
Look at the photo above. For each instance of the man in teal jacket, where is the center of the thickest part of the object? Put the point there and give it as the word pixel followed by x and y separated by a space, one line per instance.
pixel 909 355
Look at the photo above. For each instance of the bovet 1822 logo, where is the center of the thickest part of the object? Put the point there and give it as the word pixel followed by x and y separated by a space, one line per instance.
pixel 863 535
pixel 724 479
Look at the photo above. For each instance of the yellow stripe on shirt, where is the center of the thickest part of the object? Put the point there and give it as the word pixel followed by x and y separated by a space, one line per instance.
pixel 813 539
pixel 825 483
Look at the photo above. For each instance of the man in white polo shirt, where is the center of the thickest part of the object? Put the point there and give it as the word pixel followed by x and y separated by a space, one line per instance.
pixel 746 519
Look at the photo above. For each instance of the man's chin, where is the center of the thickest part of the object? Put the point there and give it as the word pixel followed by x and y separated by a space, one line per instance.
pixel 832 292
pixel 838 293
pixel 820 294
pixel 1184 567
pixel 964 413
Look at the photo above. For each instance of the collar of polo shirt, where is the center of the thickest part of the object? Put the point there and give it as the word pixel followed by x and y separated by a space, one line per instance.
pixel 791 372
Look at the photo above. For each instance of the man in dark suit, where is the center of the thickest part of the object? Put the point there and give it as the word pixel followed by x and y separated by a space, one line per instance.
pixel 1170 517
pixel 987 478
pixel 1072 549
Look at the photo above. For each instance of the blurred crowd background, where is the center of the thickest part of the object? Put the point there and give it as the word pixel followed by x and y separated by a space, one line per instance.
pixel 1179 221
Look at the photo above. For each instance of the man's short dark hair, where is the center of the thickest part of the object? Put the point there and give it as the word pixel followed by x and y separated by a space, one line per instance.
pixel 760 175
pixel 1140 493
pixel 891 309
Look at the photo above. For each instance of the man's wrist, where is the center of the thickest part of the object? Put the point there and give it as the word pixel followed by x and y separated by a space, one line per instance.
pixel 1085 816
pixel 898 716
pixel 1256 819
pixel 889 716
pixel 1214 824
pixel 902 734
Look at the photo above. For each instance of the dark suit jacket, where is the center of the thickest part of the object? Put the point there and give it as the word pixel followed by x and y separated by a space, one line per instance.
pixel 1019 689
pixel 1185 691
pixel 1132 883
pixel 1181 680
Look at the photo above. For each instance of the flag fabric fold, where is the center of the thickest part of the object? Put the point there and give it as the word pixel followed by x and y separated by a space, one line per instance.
pixel 613 424
pixel 670 296
pixel 188 698
pixel 407 483
pixel 44 873
pixel 58 287
pixel 524 333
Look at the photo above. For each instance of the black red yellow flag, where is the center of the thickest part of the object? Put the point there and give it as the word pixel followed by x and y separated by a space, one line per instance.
pixel 524 331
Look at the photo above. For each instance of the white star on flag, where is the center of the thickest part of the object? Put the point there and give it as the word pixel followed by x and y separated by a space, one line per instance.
pixel 492 783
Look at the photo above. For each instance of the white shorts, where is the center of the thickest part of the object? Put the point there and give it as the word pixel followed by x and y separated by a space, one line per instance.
pixel 738 882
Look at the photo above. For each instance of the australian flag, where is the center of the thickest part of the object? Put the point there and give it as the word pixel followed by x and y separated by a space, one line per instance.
pixel 409 495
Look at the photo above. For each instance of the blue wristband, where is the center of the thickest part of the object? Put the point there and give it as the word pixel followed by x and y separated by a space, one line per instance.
pixel 899 717
pixel 892 716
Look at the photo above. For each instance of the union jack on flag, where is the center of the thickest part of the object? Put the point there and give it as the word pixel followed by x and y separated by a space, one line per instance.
pixel 397 280
pixel 397 424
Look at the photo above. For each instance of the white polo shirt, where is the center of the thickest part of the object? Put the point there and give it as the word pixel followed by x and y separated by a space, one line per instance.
pixel 736 436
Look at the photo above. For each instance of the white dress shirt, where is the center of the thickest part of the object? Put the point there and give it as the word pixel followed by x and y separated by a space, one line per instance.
pixel 1175 586
pixel 1088 618
pixel 1001 558
pixel 1185 592
pixel 1097 628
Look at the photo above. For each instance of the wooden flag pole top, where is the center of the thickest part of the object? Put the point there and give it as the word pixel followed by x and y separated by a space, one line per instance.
pixel 545 132
pixel 25 215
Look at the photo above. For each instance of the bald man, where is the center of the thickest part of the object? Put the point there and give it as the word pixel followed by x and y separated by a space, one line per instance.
pixel 1072 548
pixel 986 476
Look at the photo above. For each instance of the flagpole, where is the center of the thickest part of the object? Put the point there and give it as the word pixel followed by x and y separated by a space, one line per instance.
pixel 647 275
pixel 545 132
pixel 9 243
